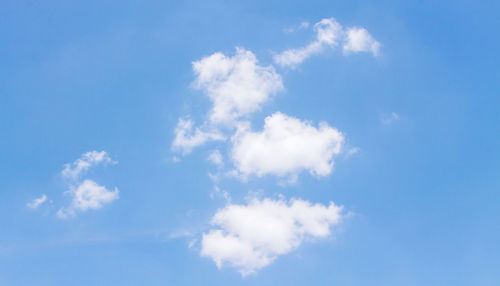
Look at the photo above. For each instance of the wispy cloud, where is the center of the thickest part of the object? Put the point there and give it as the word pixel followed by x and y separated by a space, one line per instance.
pixel 86 161
pixel 329 33
pixel 37 202
pixel 389 118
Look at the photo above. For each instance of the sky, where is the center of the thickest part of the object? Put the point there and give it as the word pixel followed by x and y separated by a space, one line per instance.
pixel 249 143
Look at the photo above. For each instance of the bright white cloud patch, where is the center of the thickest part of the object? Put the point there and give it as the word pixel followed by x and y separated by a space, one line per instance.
pixel 37 202
pixel 87 160
pixel 186 138
pixel 359 40
pixel 285 147
pixel 249 237
pixel 87 195
pixel 328 33
pixel 237 85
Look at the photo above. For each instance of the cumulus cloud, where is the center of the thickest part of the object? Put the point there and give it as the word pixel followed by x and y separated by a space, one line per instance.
pixel 250 237
pixel 87 160
pixel 87 195
pixel 37 202
pixel 328 32
pixel 285 147
pixel 237 85
pixel 186 138
pixel 359 40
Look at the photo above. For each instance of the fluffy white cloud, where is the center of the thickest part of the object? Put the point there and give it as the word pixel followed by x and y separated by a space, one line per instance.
pixel 328 33
pixel 87 195
pixel 249 237
pixel 237 85
pixel 359 40
pixel 37 202
pixel 186 138
pixel 87 160
pixel 285 147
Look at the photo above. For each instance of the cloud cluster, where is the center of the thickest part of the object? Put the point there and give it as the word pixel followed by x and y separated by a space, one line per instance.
pixel 249 237
pixel 329 33
pixel 236 85
pixel 285 147
pixel 86 194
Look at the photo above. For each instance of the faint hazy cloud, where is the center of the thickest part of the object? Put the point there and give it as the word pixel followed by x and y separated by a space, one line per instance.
pixel 37 202
pixel 389 118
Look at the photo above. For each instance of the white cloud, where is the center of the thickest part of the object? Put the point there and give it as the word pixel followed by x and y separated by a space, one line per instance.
pixel 303 25
pixel 328 33
pixel 87 160
pixel 359 40
pixel 285 147
pixel 87 195
pixel 37 202
pixel 389 118
pixel 216 158
pixel 237 85
pixel 186 139
pixel 249 237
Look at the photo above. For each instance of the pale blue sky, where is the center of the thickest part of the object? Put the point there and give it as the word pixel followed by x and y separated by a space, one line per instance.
pixel 420 195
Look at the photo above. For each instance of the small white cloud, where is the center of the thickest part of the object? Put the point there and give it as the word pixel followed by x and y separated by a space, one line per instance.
pixel 87 160
pixel 250 237
pixel 237 85
pixel 87 195
pixel 285 147
pixel 359 40
pixel 389 118
pixel 303 25
pixel 216 158
pixel 328 33
pixel 37 202
pixel 186 138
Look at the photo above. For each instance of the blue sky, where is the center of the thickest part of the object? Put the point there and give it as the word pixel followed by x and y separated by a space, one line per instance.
pixel 393 115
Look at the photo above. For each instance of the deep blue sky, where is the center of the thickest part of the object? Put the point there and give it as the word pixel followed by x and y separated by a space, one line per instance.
pixel 117 76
